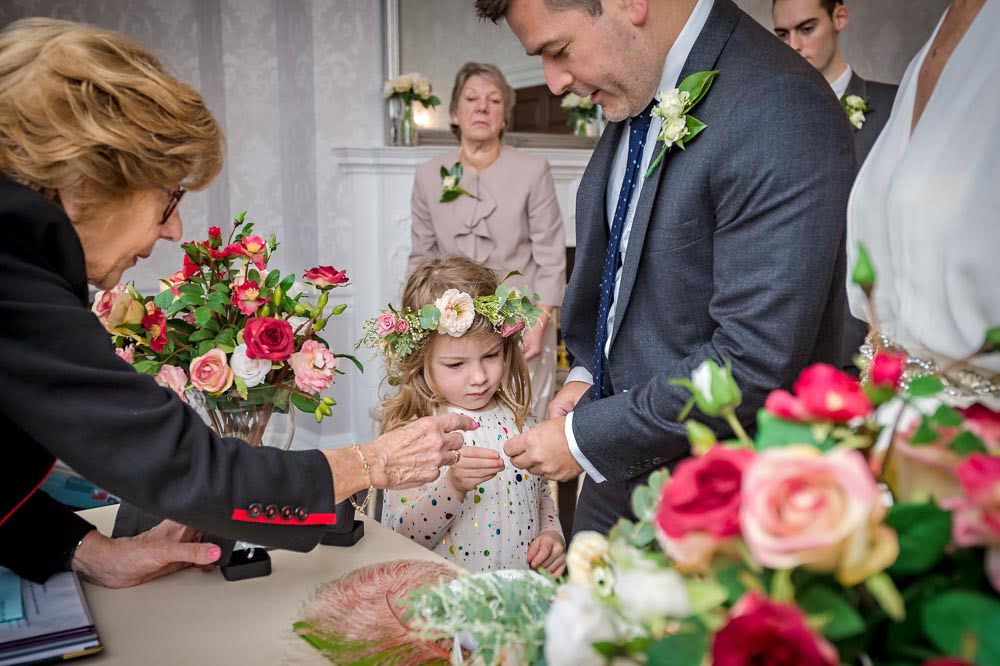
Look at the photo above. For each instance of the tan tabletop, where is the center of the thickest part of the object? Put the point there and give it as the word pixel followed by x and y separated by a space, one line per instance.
pixel 197 617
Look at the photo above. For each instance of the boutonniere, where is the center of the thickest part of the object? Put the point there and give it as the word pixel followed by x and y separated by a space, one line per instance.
pixel 856 108
pixel 672 107
pixel 450 189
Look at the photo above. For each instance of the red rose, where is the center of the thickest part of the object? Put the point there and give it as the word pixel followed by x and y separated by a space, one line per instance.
pixel 190 268
pixel 761 631
pixel 325 276
pixel 703 495
pixel 246 296
pixel 270 338
pixel 887 369
pixel 156 323
pixel 822 393
pixel 214 232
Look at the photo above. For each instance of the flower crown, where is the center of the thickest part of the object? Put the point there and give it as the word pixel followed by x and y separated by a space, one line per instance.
pixel 399 333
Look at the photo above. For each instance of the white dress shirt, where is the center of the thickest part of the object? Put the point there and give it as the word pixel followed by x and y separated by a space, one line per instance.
pixel 840 83
pixel 672 67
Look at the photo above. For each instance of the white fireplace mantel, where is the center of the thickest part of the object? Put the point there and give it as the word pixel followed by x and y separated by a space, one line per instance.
pixel 379 182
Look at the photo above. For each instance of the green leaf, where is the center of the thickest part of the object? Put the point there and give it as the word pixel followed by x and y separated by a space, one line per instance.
pixel 773 431
pixel 697 85
pixel 879 395
pixel 287 282
pixel 686 648
pixel 644 502
pixel 193 290
pixel 272 279
pixel 429 317
pixel 353 360
pixel 241 386
pixel 201 334
pixel 449 196
pixel 146 366
pixel 887 595
pixel 925 434
pixel 924 531
pixel 205 346
pixel 705 594
pixel 221 287
pixel 947 417
pixel 694 128
pixel 304 404
pixel 864 272
pixel 950 619
pixel 967 443
pixel 992 342
pixel 202 315
pixel 444 172
pixel 641 535
pixel 841 619
pixel 163 299
pixel 925 387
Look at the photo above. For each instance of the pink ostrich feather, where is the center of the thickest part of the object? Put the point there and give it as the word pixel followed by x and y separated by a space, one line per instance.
pixel 358 612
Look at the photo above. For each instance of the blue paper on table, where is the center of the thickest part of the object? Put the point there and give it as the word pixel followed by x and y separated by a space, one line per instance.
pixel 11 608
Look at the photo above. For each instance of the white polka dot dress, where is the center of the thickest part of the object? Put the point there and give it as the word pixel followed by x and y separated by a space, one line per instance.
pixel 493 527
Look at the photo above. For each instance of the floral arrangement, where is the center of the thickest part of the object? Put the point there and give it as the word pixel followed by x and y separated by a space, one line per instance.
pixel 582 111
pixel 226 324
pixel 450 188
pixel 398 333
pixel 411 88
pixel 856 107
pixel 673 109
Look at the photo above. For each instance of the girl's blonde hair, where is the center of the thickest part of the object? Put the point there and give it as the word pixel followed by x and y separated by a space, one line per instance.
pixel 412 394
pixel 93 111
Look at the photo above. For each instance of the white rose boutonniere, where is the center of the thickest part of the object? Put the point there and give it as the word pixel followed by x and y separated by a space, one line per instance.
pixel 450 188
pixel 678 127
pixel 856 107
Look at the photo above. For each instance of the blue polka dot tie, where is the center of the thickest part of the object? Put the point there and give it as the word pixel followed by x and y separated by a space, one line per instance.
pixel 638 128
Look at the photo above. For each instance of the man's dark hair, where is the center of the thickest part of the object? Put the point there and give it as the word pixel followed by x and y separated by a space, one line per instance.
pixel 827 5
pixel 494 10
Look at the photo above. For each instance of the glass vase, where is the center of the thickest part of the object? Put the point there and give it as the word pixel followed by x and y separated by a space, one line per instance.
pixel 407 128
pixel 263 418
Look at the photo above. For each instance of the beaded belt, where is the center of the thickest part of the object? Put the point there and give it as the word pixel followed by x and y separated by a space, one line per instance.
pixel 960 381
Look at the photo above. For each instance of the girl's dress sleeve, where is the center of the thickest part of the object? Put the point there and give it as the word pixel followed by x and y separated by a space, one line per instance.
pixel 423 514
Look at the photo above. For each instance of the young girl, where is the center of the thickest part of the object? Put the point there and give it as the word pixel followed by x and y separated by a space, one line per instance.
pixel 454 345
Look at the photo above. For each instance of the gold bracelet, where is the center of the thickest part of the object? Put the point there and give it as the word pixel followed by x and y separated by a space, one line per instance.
pixel 371 486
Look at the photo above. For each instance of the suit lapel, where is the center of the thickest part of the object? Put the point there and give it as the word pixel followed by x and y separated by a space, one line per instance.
pixel 857 86
pixel 704 54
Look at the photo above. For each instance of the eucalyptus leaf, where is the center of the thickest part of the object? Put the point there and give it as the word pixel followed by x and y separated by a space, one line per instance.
pixel 429 317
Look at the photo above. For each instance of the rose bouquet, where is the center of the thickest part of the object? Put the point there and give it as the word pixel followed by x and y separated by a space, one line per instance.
pixel 411 88
pixel 582 112
pixel 231 332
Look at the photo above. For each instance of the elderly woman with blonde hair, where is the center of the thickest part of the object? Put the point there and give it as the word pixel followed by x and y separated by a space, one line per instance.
pixel 98 145
pixel 502 211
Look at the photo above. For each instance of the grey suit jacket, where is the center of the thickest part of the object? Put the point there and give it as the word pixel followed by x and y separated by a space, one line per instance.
pixel 880 97
pixel 736 253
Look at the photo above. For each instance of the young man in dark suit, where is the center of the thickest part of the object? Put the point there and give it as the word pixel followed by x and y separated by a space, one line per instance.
pixel 730 249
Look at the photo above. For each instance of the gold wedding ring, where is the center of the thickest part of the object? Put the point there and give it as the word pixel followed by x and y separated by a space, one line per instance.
pixel 458 456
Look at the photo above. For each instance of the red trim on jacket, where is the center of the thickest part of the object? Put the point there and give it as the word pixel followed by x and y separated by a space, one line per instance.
pixel 311 519
pixel 28 496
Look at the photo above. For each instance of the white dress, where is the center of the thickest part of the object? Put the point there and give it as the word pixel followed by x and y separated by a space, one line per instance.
pixel 493 527
pixel 927 207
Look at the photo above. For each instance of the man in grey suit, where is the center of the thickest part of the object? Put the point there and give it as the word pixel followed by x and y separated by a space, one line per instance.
pixel 732 249
pixel 812 28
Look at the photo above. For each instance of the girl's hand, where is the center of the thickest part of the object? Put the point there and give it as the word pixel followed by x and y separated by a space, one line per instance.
pixel 475 465
pixel 548 551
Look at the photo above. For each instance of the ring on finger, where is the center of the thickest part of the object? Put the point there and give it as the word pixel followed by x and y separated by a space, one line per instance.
pixel 458 456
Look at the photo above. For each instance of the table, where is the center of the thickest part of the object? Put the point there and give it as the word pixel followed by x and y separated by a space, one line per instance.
pixel 197 617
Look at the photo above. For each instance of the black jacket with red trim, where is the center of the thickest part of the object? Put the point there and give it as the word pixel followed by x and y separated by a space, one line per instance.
pixel 64 393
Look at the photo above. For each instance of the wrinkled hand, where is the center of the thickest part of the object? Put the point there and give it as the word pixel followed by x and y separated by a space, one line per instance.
pixel 531 340
pixel 413 455
pixel 548 551
pixel 477 465
pixel 543 451
pixel 565 400
pixel 129 561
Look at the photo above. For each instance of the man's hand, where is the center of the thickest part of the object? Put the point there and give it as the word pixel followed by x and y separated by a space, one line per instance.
pixel 565 400
pixel 475 466
pixel 129 561
pixel 548 551
pixel 543 451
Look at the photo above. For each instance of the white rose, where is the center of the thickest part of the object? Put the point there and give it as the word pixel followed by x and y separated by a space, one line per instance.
pixel 854 101
pixel 570 101
pixel 586 103
pixel 402 83
pixel 858 119
pixel 423 87
pixel 587 551
pixel 457 312
pixel 645 595
pixel 576 621
pixel 671 103
pixel 674 130
pixel 251 370
pixel 449 182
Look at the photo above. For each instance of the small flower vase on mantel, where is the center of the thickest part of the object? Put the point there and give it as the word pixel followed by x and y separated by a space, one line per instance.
pixel 407 128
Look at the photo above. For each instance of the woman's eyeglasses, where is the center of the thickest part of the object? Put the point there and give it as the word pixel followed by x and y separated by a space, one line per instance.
pixel 175 198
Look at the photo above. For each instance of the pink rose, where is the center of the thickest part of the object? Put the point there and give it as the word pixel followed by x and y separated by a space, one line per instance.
pixel 984 423
pixel 820 511
pixel 313 366
pixel 700 506
pixel 155 322
pixel 270 338
pixel 386 324
pixel 173 378
pixel 507 330
pixel 253 249
pixel 761 631
pixel 246 296
pixel 325 276
pixel 887 369
pixel 402 326
pixel 210 373
pixel 116 308
pixel 822 393
pixel 126 353
pixel 976 514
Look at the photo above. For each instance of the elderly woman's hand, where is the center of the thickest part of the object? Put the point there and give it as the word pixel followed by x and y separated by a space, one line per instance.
pixel 413 455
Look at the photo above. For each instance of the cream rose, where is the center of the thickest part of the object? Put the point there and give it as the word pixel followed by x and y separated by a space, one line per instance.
pixel 801 507
pixel 587 551
pixel 457 312
pixel 116 308
pixel 449 182
pixel 251 370
pixel 671 103
pixel 674 130
pixel 210 373
pixel 402 83
pixel 648 594
pixel 422 87
pixel 173 378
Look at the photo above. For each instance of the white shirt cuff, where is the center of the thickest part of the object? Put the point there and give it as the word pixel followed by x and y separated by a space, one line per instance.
pixel 579 374
pixel 574 449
